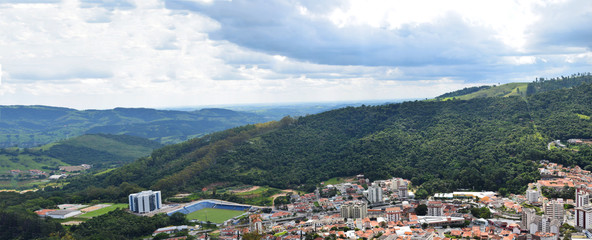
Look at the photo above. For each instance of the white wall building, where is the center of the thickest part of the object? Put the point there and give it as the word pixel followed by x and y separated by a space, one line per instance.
pixel 146 201
pixel 532 195
pixel 374 193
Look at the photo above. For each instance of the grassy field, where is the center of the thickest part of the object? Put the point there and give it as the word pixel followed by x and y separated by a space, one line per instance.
pixel 213 215
pixel 336 180
pixel 25 161
pixel 505 90
pixel 104 210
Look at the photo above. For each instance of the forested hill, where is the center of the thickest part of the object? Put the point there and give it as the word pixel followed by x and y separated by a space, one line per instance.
pixel 29 126
pixel 100 150
pixel 481 144
pixel 519 89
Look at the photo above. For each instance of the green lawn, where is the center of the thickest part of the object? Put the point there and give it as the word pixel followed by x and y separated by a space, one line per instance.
pixel 213 215
pixel 335 180
pixel 104 210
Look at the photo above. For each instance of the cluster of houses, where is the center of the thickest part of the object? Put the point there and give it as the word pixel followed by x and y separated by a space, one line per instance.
pixel 63 172
pixel 386 210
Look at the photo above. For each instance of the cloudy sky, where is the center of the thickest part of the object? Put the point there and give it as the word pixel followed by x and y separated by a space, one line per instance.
pixel 165 53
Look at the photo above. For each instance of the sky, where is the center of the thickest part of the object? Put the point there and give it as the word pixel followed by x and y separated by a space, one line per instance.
pixel 99 54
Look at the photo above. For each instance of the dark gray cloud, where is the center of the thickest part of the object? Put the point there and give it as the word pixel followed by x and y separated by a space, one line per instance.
pixel 277 27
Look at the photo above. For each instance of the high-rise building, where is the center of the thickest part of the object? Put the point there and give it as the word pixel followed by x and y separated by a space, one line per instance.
pixel 354 210
pixel 532 196
pixel 435 208
pixel 396 183
pixel 403 192
pixel 582 196
pixel 375 193
pixel 554 210
pixel 146 201
pixel 584 216
pixel 393 214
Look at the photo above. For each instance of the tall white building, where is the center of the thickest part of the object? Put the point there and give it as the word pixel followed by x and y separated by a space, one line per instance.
pixel 435 208
pixel 584 216
pixel 146 201
pixel 532 195
pixel 582 196
pixel 554 210
pixel 374 193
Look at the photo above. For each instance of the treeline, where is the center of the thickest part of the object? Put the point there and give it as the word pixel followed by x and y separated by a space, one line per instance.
pixel 544 85
pixel 462 92
pixel 119 224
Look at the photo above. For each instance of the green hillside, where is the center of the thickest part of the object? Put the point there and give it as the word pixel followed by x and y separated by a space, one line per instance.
pixel 481 143
pixel 505 90
pixel 10 160
pixel 30 126
pixel 540 85
pixel 99 150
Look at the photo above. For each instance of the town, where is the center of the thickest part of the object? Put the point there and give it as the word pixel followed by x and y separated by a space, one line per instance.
pixel 556 206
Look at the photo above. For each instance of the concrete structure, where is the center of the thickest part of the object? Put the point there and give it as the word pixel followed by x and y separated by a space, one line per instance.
pixel 393 214
pixel 146 201
pixel 403 192
pixel 256 224
pixel 438 221
pixel 435 208
pixel 62 214
pixel 554 210
pixel 354 210
pixel 532 196
pixel 582 196
pixel 374 193
pixel 396 183
pixel 584 216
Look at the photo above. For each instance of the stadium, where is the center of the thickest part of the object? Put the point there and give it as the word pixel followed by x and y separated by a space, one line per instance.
pixel 219 211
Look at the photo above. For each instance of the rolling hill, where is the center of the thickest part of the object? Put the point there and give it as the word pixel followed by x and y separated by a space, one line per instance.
pixel 30 126
pixel 518 89
pixel 99 150
pixel 486 143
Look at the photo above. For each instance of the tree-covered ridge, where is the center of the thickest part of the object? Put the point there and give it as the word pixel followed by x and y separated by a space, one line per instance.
pixel 461 92
pixel 99 150
pixel 30 126
pixel 481 144
pixel 544 85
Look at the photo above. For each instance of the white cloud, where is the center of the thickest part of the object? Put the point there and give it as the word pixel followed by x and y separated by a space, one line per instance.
pixel 154 53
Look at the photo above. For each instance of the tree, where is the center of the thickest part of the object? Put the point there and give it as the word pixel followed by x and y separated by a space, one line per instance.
pixel 421 210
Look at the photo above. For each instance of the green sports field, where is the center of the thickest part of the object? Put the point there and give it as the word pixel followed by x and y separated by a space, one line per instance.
pixel 213 215
pixel 104 210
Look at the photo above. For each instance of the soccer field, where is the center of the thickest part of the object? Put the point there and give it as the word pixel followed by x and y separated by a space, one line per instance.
pixel 213 215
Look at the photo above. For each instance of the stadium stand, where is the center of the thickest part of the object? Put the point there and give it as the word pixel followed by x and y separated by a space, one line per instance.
pixel 209 204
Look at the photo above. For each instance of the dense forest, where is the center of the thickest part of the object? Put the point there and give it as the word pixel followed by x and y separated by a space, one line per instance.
pixel 481 144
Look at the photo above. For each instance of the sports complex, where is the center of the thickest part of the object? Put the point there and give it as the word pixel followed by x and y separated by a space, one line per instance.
pixel 214 211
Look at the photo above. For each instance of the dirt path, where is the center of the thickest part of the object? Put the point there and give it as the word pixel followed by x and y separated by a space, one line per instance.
pixel 273 197
pixel 253 188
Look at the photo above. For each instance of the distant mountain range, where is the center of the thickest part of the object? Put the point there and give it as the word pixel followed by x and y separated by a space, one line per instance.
pixel 487 142
pixel 31 126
